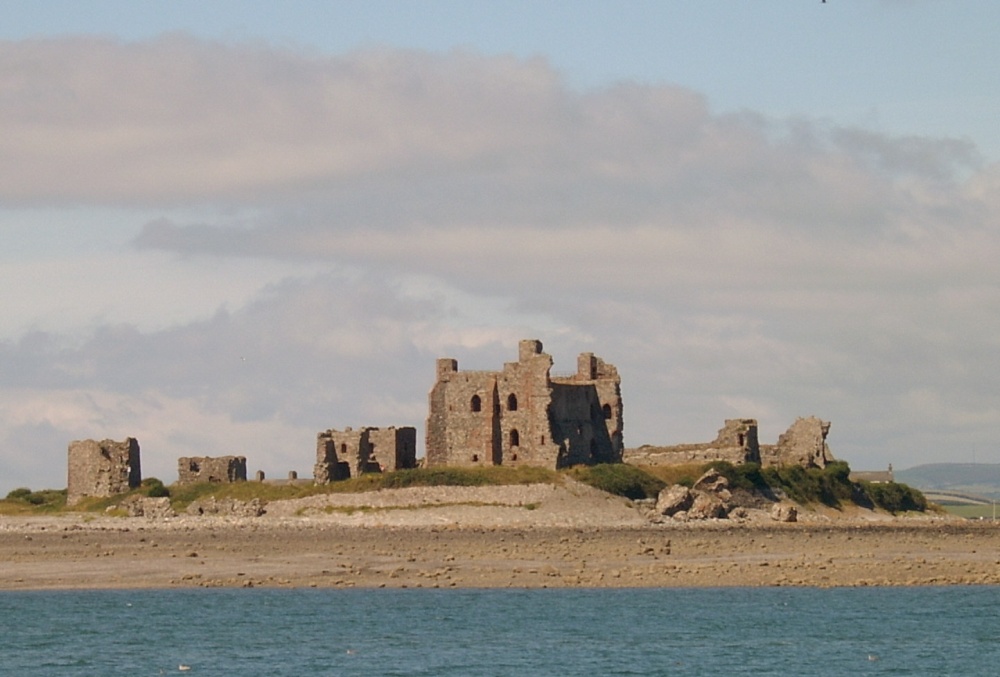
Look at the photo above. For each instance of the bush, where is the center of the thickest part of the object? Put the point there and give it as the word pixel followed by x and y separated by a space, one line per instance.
pixel 19 494
pixel 895 497
pixel 620 479
pixel 153 488
pixel 45 499
pixel 747 476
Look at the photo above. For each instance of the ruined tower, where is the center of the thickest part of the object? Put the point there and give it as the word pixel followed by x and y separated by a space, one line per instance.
pixel 102 468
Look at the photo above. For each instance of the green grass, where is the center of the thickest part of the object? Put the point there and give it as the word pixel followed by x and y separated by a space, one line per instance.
pixel 620 479
pixel 970 511
pixel 23 501
pixel 829 486
pixel 181 496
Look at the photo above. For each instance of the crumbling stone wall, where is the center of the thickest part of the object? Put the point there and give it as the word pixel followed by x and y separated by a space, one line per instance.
pixel 102 468
pixel 523 415
pixel 804 443
pixel 393 448
pixel 736 443
pixel 224 469
pixel 341 454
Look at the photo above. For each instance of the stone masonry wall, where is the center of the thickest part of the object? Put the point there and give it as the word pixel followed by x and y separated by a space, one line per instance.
pixel 736 443
pixel 102 468
pixel 223 469
pixel 341 454
pixel 804 443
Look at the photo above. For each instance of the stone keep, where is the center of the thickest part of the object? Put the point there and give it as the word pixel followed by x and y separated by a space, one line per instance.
pixel 341 454
pixel 102 468
pixel 522 415
pixel 222 469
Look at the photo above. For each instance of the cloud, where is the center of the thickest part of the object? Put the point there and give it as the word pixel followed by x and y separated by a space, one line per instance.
pixel 410 206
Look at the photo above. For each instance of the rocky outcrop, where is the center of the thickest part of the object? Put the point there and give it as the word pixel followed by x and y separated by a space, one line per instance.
pixel 674 499
pixel 709 498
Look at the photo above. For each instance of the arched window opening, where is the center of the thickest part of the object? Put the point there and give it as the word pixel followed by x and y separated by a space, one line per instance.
pixel 476 404
pixel 343 449
pixel 515 438
pixel 512 402
pixel 475 458
pixel 607 411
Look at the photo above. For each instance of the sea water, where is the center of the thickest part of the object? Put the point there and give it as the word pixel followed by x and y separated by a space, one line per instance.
pixel 301 633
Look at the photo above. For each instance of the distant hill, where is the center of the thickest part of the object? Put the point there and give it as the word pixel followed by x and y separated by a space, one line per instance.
pixel 981 479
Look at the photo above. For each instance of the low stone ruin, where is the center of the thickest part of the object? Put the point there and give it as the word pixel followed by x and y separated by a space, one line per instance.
pixel 226 507
pixel 145 506
pixel 220 469
pixel 804 444
pixel 736 442
pixel 102 469
pixel 341 454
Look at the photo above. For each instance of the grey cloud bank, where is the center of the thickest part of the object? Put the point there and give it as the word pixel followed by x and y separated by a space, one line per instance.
pixel 451 204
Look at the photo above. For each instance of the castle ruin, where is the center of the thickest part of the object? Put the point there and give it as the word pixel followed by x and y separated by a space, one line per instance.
pixel 102 468
pixel 341 454
pixel 523 415
pixel 735 443
pixel 804 444
pixel 221 469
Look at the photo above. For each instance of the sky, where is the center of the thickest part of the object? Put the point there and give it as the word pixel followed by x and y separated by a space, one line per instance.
pixel 228 226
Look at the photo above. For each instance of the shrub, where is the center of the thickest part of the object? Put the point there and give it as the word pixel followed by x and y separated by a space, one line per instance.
pixel 19 494
pixel 620 479
pixel 895 497
pixel 47 500
pixel 747 476
pixel 153 488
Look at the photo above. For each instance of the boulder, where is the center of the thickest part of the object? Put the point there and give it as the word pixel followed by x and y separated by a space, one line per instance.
pixel 783 512
pixel 714 482
pixel 674 499
pixel 707 506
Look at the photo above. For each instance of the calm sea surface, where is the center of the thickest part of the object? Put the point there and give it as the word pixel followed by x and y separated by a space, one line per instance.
pixel 874 631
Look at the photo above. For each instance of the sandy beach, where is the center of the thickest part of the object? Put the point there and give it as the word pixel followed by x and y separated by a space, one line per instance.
pixel 530 536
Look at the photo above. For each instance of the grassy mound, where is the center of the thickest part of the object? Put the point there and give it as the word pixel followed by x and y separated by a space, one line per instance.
pixel 620 479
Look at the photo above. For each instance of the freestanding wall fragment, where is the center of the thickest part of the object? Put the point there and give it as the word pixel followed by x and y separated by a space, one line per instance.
pixel 102 468
pixel 804 443
pixel 223 469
